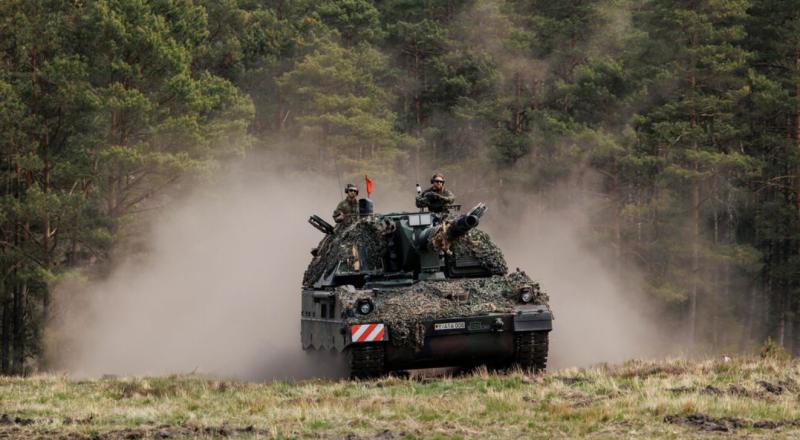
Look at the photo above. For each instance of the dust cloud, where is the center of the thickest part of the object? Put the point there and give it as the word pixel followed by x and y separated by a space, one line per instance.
pixel 217 292
pixel 601 313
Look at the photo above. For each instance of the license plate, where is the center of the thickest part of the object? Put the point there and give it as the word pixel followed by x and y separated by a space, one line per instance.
pixel 449 326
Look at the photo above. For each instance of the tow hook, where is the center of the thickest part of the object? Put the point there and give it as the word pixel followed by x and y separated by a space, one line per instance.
pixel 497 325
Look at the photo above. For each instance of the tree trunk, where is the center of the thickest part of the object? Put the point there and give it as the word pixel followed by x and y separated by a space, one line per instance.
pixel 14 307
pixel 46 237
pixel 518 111
pixel 751 317
pixel 5 304
pixel 617 208
pixel 797 129
pixel 780 290
pixel 5 331
pixel 695 210
pixel 19 331
pixel 795 348
pixel 782 325
pixel 789 303
pixel 111 198
pixel 695 263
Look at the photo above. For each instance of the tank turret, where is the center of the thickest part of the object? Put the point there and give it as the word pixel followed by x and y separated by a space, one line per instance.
pixel 410 246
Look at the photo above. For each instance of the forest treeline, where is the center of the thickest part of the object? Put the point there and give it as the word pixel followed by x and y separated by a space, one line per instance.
pixel 679 119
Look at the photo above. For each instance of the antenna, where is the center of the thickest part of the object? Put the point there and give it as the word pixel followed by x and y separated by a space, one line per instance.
pixel 416 170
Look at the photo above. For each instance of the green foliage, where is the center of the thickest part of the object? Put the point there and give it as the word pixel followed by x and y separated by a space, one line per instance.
pixel 355 20
pixel 341 105
pixel 101 111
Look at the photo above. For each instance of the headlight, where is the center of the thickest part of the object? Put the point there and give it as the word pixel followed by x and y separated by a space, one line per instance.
pixel 365 306
pixel 526 295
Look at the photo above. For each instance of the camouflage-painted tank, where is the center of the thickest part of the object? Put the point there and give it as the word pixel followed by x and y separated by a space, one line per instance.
pixel 419 290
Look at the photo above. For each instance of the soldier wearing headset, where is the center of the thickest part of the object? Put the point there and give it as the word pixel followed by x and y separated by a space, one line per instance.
pixel 436 198
pixel 346 211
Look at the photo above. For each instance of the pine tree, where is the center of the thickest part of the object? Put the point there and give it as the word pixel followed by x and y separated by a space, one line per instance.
pixel 694 135
pixel 339 103
pixel 774 119
pixel 101 111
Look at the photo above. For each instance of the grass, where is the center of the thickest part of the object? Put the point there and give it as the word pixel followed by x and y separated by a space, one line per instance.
pixel 629 400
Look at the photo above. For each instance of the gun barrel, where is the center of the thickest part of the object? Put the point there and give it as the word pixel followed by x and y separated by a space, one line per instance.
pixel 462 225
pixel 456 228
pixel 320 224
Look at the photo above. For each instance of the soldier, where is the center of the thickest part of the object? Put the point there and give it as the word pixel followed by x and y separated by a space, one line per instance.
pixel 436 198
pixel 346 211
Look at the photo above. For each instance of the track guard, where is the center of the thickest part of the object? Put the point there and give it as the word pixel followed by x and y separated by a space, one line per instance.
pixel 533 319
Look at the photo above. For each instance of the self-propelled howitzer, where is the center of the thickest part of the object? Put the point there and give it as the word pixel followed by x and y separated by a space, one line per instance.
pixel 418 290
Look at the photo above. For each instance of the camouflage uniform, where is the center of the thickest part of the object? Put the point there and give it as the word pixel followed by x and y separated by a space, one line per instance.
pixel 437 202
pixel 349 209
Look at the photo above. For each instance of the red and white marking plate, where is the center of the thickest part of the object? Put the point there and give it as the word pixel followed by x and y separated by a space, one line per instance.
pixel 368 333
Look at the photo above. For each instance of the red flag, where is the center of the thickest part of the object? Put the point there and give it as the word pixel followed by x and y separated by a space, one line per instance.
pixel 369 185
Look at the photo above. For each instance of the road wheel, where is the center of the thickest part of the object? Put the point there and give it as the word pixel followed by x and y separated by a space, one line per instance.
pixel 367 361
pixel 530 350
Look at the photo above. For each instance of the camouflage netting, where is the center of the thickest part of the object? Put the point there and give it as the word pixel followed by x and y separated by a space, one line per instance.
pixel 402 309
pixel 365 238
pixel 479 245
pixel 362 238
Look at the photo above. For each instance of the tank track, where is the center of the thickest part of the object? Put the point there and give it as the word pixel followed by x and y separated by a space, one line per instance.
pixel 530 350
pixel 367 361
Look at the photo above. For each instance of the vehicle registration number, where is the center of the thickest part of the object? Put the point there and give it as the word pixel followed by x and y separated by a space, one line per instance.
pixel 449 325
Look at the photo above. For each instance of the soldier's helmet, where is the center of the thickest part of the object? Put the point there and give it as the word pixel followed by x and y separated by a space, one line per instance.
pixel 350 187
